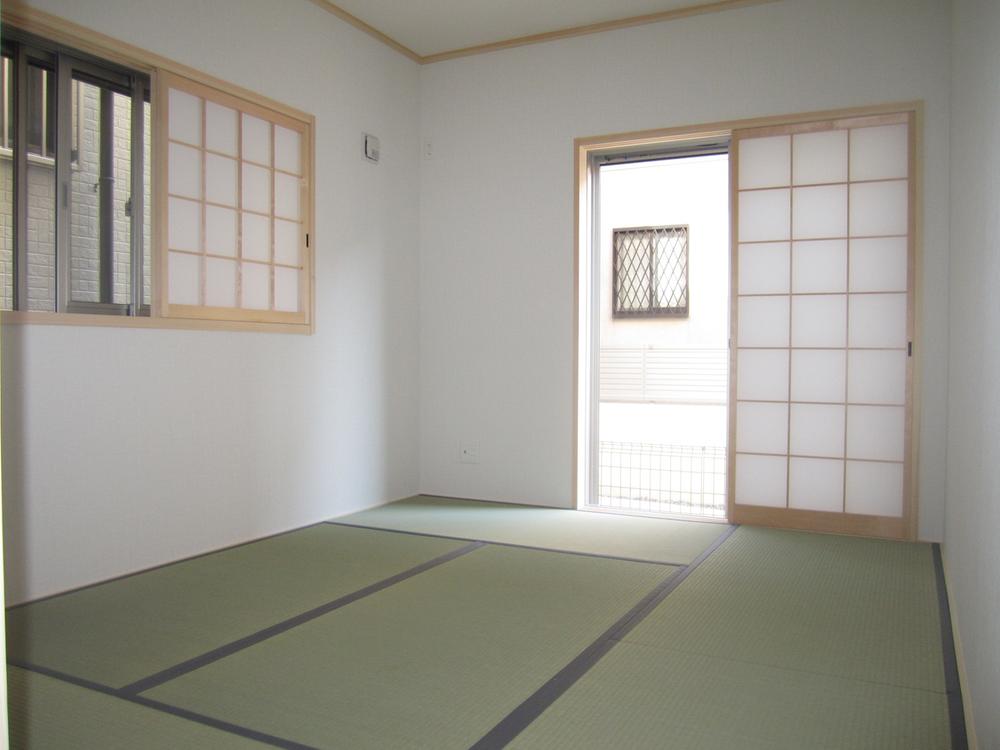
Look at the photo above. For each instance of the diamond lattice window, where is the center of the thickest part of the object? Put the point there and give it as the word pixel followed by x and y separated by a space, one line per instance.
pixel 651 272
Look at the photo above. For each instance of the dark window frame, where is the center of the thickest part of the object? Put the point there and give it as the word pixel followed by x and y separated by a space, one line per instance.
pixel 651 288
pixel 64 65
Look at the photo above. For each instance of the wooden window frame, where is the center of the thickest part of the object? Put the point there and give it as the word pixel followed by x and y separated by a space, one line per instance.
pixel 166 309
pixel 159 69
pixel 586 150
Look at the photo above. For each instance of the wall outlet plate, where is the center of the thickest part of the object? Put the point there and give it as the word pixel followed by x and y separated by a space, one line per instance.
pixel 468 452
pixel 371 147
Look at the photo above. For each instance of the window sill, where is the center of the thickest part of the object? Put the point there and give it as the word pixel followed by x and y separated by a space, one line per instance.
pixel 8 318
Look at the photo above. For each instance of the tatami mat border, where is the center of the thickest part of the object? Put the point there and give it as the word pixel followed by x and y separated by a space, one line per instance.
pixel 953 685
pixel 183 713
pixel 515 546
pixel 532 707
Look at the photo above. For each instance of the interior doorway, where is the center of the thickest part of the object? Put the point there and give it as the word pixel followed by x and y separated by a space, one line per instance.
pixel 658 328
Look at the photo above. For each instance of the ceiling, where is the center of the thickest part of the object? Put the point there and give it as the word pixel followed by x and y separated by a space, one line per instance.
pixel 437 28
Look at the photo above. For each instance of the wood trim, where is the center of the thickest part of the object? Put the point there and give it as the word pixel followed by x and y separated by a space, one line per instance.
pixel 273 119
pixel 592 28
pixel 734 271
pixel 203 312
pixel 915 281
pixel 18 318
pixel 904 527
pixel 822 521
pixel 724 128
pixel 584 147
pixel 357 23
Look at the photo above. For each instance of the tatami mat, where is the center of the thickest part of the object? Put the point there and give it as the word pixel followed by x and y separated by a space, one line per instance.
pixel 645 698
pixel 433 662
pixel 834 605
pixel 127 629
pixel 54 715
pixel 653 539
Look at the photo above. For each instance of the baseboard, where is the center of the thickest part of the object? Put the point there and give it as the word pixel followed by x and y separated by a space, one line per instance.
pixel 963 677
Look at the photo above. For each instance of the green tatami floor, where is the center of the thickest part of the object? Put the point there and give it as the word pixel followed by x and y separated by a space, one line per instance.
pixel 654 539
pixel 341 637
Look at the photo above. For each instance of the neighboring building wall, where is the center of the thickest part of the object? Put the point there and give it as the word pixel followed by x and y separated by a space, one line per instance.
pixel 691 192
pixel 6 231
pixel 85 222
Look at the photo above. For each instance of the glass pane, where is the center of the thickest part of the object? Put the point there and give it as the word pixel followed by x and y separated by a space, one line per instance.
pixel 819 157
pixel 220 282
pixel 184 171
pixel 100 224
pixel 256 237
pixel 819 320
pixel 41 208
pixel 819 212
pixel 147 215
pixel 880 152
pixel 818 375
pixel 220 129
pixel 286 289
pixel 184 117
pixel 256 189
pixel 7 188
pixel 765 215
pixel 184 225
pixel 761 427
pixel 762 375
pixel 121 212
pixel 817 430
pixel 85 185
pixel 256 140
pixel 184 276
pixel 816 484
pixel 765 162
pixel 876 432
pixel 220 180
pixel 287 150
pixel 41 112
pixel 761 480
pixel 286 196
pixel 256 286
pixel 874 488
pixel 220 231
pixel 286 242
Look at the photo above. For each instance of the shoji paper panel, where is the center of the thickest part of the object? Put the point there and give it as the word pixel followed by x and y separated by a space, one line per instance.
pixel 235 208
pixel 822 319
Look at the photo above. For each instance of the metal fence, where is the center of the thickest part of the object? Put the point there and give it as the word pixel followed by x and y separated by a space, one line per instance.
pixel 670 479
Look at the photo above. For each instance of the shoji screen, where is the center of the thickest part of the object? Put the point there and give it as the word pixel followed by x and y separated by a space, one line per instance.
pixel 235 232
pixel 822 324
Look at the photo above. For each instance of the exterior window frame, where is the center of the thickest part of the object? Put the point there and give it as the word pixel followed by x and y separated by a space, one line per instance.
pixel 63 63
pixel 652 310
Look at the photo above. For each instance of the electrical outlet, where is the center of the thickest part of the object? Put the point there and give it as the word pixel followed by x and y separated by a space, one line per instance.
pixel 428 149
pixel 468 452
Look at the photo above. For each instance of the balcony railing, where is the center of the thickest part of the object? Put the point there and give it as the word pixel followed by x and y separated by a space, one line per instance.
pixel 661 375
pixel 662 479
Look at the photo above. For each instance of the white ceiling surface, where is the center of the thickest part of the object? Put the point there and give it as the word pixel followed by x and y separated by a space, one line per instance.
pixel 429 27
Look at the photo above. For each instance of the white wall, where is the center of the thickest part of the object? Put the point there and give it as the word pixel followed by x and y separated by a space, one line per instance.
pixel 497 212
pixel 971 551
pixel 127 448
